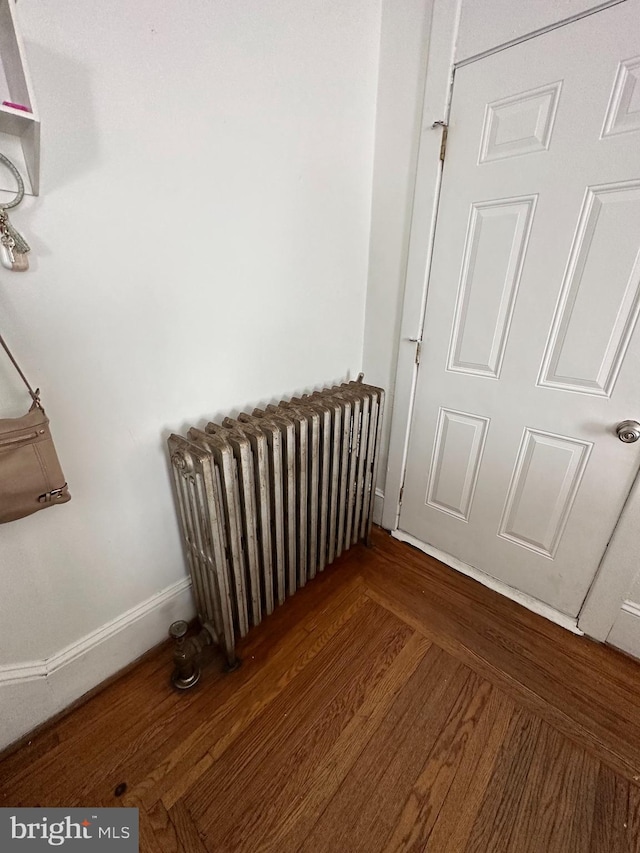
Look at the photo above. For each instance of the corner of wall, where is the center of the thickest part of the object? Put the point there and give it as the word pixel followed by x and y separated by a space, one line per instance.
pixel 404 47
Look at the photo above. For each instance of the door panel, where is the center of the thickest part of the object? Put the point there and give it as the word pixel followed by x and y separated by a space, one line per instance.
pixel 530 349
pixel 492 262
pixel 543 487
pixel 519 124
pixel 456 462
pixel 605 249
pixel 623 114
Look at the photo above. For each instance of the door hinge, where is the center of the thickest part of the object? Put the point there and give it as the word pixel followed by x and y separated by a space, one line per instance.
pixel 443 144
pixel 418 342
pixel 443 141
pixel 401 494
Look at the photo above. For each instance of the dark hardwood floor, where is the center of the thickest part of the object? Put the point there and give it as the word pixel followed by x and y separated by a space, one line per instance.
pixel 391 705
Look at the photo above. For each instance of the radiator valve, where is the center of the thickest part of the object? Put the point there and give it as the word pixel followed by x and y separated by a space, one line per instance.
pixel 185 657
pixel 187 654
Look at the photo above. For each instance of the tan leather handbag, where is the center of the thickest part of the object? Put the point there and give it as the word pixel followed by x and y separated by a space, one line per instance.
pixel 30 474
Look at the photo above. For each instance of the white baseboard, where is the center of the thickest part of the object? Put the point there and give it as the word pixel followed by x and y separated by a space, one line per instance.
pixel 34 691
pixel 522 598
pixel 378 506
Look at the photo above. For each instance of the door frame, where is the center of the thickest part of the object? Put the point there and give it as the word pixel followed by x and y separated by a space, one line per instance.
pixel 616 573
pixel 445 21
pixel 617 569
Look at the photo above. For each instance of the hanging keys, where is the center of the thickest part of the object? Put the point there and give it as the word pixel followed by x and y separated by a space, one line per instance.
pixel 22 247
pixel 7 257
pixel 13 247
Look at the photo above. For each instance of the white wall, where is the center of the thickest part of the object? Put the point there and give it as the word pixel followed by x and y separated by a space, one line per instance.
pixel 199 246
pixel 403 57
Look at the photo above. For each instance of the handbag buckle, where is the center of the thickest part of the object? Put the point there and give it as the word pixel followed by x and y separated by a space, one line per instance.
pixel 47 497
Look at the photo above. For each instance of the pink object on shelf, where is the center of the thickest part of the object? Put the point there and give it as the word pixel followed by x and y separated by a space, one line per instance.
pixel 16 106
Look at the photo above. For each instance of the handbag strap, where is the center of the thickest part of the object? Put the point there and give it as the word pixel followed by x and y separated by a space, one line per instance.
pixel 35 395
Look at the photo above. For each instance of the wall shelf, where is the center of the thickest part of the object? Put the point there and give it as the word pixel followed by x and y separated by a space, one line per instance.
pixel 19 128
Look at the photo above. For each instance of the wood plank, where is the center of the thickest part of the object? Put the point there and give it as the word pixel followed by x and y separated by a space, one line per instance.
pixel 432 785
pixel 583 803
pixel 298 816
pixel 479 664
pixel 547 813
pixel 148 841
pixel 302 723
pixel 494 823
pixel 633 820
pixel 363 812
pixel 163 829
pixel 610 817
pixel 186 831
pixel 458 813
pixel 173 831
pixel 534 660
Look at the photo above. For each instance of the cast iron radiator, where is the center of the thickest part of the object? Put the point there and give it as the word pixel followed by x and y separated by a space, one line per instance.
pixel 265 502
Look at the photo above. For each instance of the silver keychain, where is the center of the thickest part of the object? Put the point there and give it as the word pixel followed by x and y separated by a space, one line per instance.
pixel 13 246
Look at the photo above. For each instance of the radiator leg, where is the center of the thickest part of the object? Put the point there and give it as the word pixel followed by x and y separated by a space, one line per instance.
pixel 233 661
pixel 185 657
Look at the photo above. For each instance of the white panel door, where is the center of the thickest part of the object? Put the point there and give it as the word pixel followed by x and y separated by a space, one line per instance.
pixel 531 355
